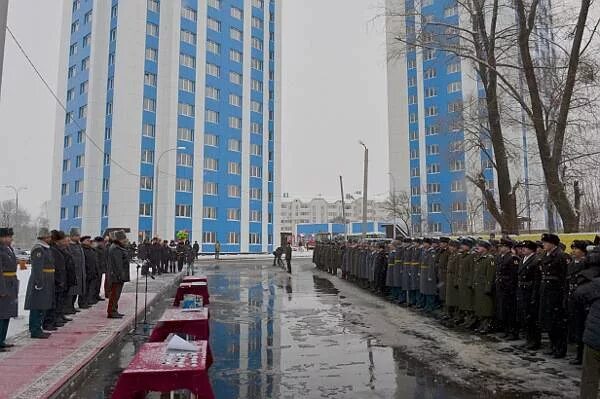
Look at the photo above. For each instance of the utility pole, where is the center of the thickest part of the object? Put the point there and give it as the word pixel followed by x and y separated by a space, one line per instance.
pixel 3 18
pixel 343 209
pixel 365 186
pixel 394 200
pixel 16 190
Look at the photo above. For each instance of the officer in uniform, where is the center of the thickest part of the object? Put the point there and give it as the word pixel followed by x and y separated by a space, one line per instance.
pixel 414 272
pixel 9 285
pixel 428 285
pixel 40 288
pixel 77 292
pixel 62 262
pixel 529 278
pixel 465 283
pixel 91 270
pixel 507 274
pixel 484 275
pixel 553 294
pixel 452 293
pixel 100 248
pixel 441 269
pixel 118 272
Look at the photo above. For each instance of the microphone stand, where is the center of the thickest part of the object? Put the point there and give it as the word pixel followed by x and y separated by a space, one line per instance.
pixel 137 279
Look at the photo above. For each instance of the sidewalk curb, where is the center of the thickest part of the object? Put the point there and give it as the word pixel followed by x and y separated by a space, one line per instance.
pixel 67 389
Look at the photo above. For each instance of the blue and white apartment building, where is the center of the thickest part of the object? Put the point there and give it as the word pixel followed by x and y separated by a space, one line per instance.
pixel 428 158
pixel 172 120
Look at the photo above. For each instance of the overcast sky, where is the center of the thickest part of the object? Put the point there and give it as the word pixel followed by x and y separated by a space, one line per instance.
pixel 333 85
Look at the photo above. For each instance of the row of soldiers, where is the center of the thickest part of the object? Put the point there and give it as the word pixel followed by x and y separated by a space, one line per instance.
pixel 482 285
pixel 65 271
pixel 162 256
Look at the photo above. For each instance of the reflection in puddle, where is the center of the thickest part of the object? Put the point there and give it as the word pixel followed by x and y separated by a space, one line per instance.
pixel 276 336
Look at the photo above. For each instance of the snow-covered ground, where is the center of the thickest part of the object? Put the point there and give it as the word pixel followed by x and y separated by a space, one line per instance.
pixel 21 323
pixel 295 254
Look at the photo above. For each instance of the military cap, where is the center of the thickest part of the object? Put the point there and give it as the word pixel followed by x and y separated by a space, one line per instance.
pixel 484 244
pixel 467 241
pixel 435 240
pixel 6 232
pixel 57 235
pixel 454 243
pixel 74 232
pixel 445 239
pixel 85 238
pixel 419 240
pixel 407 239
pixel 519 244
pixel 44 233
pixel 507 242
pixel 99 239
pixel 530 245
pixel 539 243
pixel 119 235
pixel 427 240
pixel 551 238
pixel 581 245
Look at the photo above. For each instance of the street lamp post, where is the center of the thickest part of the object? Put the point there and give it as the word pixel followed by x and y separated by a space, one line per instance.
pixel 3 18
pixel 156 180
pixel 394 199
pixel 17 190
pixel 365 185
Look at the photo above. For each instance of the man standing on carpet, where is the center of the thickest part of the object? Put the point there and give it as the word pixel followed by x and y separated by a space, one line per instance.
pixel 118 272
pixel 9 285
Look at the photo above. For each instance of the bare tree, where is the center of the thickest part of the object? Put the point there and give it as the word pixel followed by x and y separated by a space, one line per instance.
pixel 398 207
pixel 535 71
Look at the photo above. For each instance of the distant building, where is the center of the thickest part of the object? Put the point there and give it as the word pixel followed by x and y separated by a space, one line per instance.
pixel 321 211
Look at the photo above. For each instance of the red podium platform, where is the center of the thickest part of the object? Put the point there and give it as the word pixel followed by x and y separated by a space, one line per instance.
pixel 195 279
pixel 195 288
pixel 154 369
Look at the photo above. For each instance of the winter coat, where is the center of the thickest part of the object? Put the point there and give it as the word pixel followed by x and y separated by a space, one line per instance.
pixel 442 271
pixel 40 287
pixel 405 267
pixel 390 269
pixel 452 281
pixel 428 280
pixel 465 280
pixel 415 272
pixel 79 262
pixel 589 295
pixel 60 269
pixel 507 276
pixel 528 289
pixel 484 275
pixel 553 289
pixel 9 284
pixel 118 264
pixel 91 263
pixel 102 252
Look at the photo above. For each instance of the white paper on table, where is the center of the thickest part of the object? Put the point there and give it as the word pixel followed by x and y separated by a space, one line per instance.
pixel 176 343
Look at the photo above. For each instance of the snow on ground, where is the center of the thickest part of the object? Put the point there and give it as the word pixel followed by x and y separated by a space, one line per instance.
pixel 295 254
pixel 21 323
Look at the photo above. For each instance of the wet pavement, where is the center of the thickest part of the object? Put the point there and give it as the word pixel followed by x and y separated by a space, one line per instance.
pixel 279 336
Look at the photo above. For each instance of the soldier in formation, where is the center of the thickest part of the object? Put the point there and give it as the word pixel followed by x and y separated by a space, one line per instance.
pixel 522 289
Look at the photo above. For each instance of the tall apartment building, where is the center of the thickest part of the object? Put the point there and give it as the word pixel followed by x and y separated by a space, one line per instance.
pixel 429 152
pixel 172 120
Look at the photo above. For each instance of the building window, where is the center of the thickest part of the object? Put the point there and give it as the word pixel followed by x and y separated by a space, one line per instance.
pixel 428 54
pixel 211 164
pixel 64 190
pixel 213 70
pixel 457 186
pixel 257 43
pixel 153 5
pixel 235 122
pixel 233 214
pixel 254 238
pixel 111 59
pixel 184 185
pixel 189 14
pixel 185 109
pixel 184 159
pixel 255 194
pixel 72 71
pixel 211 140
pixel 75 26
pixel 234 191
pixel 258 4
pixel 85 64
pixel 69 118
pixel 454 87
pixel 237 13
pixel 104 210
pixel 257 64
pixel 235 100
pixel 451 11
pixel 213 47
pixel 412 81
pixel 146 182
pixel 113 34
pixel 235 78
pixel 257 85
pixel 149 104
pixel 413 117
pixel 209 237
pixel 433 168
pixel 235 56
pixel 187 60
pixel 188 37
pixel 433 149
pixel 457 165
pixel 114 11
pixel 214 4
pixel 236 34
pixel 434 188
pixel 151 54
pixel 108 133
pixel 255 171
pixel 432 130
pixel 255 216
pixel 185 134
pixel 213 93
pixel 455 146
pixel 76 213
pixel 234 168
pixel 234 145
pixel 149 130
pixel 73 49
pixel 414 135
pixel 453 68
pixel 81 136
pixel 456 106
pixel 151 29
pixel 256 149
pixel 210 188
pixel 459 206
pixel 435 207
pixel 415 190
pixel 87 39
pixel 435 227
pixel 431 111
pixel 145 209
pixel 109 108
pixel 212 116
pixel 213 24
pixel 148 156
pixel 79 161
pixel 150 79
pixel 209 212
pixel 412 63
pixel 430 73
pixel 105 185
pixel 414 153
pixel 87 18
pixel 183 211
pixel 67 141
pixel 430 92
pixel 106 159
